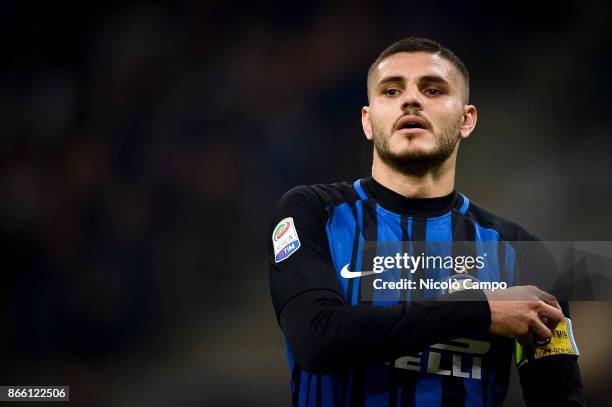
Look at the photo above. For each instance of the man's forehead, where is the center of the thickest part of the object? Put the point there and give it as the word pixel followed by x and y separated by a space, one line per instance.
pixel 416 64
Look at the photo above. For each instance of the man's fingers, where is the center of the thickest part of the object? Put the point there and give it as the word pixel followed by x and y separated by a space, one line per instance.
pixel 540 330
pixel 549 299
pixel 553 315
pixel 549 322
pixel 553 304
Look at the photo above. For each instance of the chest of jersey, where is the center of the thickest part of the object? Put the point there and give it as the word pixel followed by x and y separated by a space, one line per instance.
pixel 382 258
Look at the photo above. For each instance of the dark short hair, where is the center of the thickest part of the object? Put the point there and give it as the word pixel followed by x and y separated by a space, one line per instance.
pixel 414 44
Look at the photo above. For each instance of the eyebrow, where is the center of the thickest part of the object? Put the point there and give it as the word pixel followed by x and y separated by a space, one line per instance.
pixel 434 79
pixel 390 79
pixel 427 78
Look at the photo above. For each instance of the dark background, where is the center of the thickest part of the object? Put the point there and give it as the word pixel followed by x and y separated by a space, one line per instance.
pixel 143 145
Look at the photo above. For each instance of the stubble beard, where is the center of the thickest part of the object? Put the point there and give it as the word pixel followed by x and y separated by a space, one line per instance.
pixel 417 162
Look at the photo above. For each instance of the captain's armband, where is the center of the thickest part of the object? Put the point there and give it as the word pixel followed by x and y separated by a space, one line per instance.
pixel 561 343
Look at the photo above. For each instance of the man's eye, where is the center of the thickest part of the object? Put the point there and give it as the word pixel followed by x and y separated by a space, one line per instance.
pixel 432 92
pixel 392 92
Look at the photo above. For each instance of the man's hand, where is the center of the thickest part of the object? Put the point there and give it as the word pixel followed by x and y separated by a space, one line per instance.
pixel 523 312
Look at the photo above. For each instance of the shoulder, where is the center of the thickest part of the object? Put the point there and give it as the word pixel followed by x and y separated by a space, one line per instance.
pixel 507 229
pixel 320 195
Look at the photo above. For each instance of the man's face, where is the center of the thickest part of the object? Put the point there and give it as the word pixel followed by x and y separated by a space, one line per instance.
pixel 417 111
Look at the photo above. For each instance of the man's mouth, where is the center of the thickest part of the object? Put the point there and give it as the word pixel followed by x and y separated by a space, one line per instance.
pixel 412 122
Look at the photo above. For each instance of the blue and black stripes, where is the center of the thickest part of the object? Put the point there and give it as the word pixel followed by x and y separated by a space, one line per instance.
pixel 367 225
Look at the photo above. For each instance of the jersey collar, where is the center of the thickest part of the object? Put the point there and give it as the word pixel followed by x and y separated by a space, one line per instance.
pixel 391 200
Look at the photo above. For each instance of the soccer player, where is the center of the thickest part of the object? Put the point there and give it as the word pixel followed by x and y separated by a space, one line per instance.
pixel 349 345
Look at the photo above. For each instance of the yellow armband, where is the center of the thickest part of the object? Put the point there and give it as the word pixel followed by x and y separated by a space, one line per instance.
pixel 561 343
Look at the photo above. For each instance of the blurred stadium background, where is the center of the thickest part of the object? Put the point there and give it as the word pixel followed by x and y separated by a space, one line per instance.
pixel 143 145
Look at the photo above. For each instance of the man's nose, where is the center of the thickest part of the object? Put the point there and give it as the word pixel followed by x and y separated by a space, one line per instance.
pixel 412 98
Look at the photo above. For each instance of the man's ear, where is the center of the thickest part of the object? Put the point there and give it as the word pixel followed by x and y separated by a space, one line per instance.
pixel 366 122
pixel 470 116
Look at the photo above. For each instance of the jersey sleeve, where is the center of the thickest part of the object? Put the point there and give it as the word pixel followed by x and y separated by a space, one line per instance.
pixel 549 375
pixel 299 255
pixel 536 265
pixel 554 380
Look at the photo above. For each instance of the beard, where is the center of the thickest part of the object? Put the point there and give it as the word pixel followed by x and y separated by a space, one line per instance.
pixel 417 162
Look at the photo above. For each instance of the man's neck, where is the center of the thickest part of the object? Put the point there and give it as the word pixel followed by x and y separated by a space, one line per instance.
pixel 437 182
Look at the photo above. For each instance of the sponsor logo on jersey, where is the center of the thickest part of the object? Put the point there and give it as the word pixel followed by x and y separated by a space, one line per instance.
pixel 285 240
pixel 462 355
pixel 346 273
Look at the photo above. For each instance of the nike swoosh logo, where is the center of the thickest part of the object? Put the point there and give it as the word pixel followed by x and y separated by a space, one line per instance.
pixel 346 273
